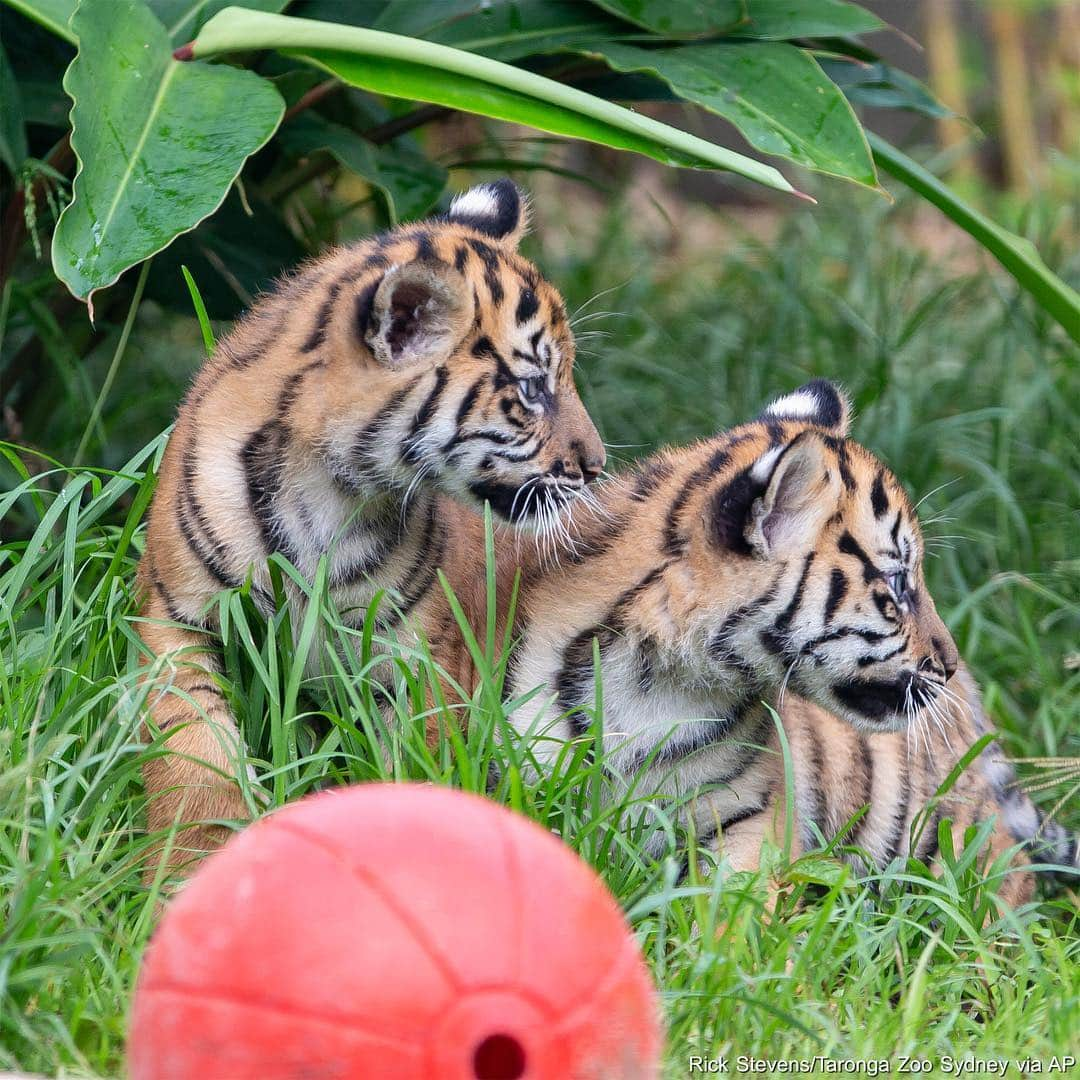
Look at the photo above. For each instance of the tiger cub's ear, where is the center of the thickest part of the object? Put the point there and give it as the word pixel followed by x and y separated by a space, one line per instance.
pixel 499 210
pixel 802 491
pixel 420 312
pixel 820 402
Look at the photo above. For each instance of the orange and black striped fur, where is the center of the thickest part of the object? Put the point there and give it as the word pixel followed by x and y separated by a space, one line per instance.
pixel 334 421
pixel 776 563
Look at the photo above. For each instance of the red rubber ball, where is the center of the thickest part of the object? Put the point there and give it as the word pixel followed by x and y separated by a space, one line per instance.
pixel 394 930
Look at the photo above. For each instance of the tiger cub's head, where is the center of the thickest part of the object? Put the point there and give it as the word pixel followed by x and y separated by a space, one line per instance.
pixel 822 556
pixel 450 363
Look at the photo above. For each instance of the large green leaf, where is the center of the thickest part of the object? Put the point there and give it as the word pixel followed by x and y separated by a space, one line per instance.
pixel 158 142
pixel 503 29
pixel 1016 254
pixel 423 71
pixel 12 129
pixel 52 14
pixel 774 93
pixel 679 18
pixel 409 182
pixel 781 20
pixel 181 18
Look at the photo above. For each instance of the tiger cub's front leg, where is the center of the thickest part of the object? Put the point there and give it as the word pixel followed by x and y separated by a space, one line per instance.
pixel 192 781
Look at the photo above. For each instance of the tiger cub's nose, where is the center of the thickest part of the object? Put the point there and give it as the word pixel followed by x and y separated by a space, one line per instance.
pixel 947 656
pixel 590 461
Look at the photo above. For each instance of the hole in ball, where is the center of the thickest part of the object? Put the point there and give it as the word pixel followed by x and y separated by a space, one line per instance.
pixel 499 1057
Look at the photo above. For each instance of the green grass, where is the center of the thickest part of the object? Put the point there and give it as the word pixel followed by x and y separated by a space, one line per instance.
pixel 958 381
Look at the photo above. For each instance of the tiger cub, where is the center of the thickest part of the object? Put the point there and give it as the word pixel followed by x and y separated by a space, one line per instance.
pixel 334 420
pixel 776 562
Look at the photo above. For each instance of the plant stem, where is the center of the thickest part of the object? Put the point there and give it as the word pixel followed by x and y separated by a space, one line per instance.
pixel 121 348
pixel 1017 255
pixel 506 86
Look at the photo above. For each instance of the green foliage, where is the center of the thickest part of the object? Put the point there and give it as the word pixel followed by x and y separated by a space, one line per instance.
pixel 159 142
pixel 776 95
pixel 409 182
pixel 680 18
pixel 186 132
pixel 13 149
pixel 782 19
pixel 407 68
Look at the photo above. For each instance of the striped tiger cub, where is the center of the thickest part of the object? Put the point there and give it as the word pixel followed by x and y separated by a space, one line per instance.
pixel 335 419
pixel 782 563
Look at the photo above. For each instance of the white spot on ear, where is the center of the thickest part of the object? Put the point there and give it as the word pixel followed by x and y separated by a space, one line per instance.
pixel 480 202
pixel 764 465
pixel 798 406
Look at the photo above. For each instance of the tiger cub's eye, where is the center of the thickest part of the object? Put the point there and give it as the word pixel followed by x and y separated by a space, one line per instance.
pixel 532 389
pixel 898 582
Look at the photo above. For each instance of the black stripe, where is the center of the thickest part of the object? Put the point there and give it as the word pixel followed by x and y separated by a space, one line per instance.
pixel 425 248
pixel 840 448
pixel 212 563
pixel 783 620
pixel 204 688
pixel 866 661
pixel 879 499
pixel 376 260
pixel 364 309
pixel 490 258
pixel 517 457
pixel 729 821
pixel 410 448
pixel 363 442
pixel 674 544
pixel 702 733
pixel 192 520
pixel 708 835
pixel 577 673
pixel 748 745
pixel 875 698
pixel 263 457
pixel 527 306
pixel 510 407
pixel 166 598
pixel 467 402
pixel 428 561
pixel 866 760
pixel 485 347
pixel 872 637
pixel 773 643
pixel 461 258
pixel 814 784
pixel 290 391
pixel 838 587
pixel 576 669
pixel 719 642
pixel 929 837
pixel 648 478
pixel 318 331
pixel 848 545
pixel 729 511
pixel 598 542
pixel 274 324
